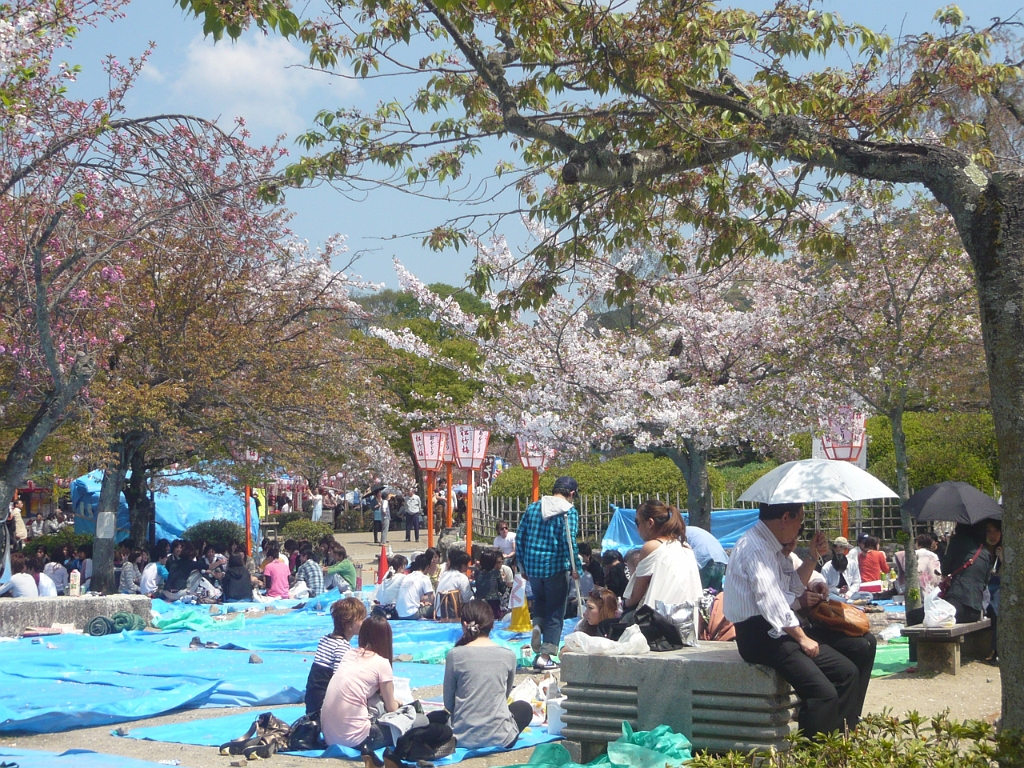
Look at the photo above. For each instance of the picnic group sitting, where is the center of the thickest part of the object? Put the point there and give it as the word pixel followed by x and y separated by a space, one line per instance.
pixel 42 574
pixel 189 572
pixel 350 691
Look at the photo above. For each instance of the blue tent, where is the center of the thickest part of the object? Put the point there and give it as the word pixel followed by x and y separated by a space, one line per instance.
pixel 189 498
pixel 727 525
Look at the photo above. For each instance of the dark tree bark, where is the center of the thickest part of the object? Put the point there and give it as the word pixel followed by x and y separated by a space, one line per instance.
pixel 48 416
pixel 106 513
pixel 693 463
pixel 140 509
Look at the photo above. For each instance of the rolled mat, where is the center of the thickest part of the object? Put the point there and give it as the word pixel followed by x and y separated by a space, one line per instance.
pixel 100 626
pixel 130 621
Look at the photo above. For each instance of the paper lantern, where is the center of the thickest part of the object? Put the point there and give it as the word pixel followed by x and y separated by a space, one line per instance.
pixel 470 447
pixel 428 447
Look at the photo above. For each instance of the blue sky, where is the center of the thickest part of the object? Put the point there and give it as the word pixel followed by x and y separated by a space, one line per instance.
pixel 261 79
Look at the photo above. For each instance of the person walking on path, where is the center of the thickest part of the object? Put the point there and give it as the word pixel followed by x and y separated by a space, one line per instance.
pixel 546 550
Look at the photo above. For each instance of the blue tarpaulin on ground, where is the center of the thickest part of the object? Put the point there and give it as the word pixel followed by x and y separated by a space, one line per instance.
pixel 186 498
pixel 73 758
pixel 727 525
pixel 214 731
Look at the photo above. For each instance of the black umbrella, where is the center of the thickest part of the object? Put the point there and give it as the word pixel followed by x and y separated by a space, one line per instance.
pixel 953 502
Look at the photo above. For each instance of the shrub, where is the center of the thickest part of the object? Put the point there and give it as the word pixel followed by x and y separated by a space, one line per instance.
pixel 736 479
pixel 59 539
pixel 909 742
pixel 352 521
pixel 289 517
pixel 940 446
pixel 220 533
pixel 639 473
pixel 305 529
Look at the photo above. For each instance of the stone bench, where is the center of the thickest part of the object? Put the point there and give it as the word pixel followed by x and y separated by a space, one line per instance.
pixel 708 693
pixel 942 649
pixel 20 612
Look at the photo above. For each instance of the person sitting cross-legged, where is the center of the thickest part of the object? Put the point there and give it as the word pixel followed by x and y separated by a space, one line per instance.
pixel 478 678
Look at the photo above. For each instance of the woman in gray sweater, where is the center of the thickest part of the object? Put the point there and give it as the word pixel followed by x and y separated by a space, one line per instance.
pixel 478 677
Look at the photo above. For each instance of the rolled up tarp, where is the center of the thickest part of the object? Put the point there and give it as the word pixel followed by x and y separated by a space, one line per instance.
pixel 100 626
pixel 127 621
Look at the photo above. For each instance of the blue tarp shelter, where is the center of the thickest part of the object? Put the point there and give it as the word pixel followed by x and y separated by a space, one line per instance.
pixel 186 499
pixel 727 525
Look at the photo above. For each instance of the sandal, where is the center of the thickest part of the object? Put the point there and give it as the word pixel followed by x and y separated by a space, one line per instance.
pixel 370 759
pixel 239 745
pixel 265 749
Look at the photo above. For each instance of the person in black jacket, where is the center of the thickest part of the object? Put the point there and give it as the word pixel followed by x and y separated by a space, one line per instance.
pixel 968 561
pixel 615 577
pixel 237 582
pixel 179 571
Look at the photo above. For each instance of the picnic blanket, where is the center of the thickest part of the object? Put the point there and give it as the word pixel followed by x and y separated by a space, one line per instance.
pixel 73 758
pixel 214 731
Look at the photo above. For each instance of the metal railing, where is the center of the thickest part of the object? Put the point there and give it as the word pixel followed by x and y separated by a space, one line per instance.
pixel 880 517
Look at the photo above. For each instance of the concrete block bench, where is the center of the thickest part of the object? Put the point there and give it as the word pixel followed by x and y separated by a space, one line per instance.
pixel 709 694
pixel 20 612
pixel 942 649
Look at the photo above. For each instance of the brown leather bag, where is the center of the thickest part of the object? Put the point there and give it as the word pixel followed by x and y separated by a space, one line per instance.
pixel 841 617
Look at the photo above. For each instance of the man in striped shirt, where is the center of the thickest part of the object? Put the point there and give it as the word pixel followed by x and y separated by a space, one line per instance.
pixel 829 671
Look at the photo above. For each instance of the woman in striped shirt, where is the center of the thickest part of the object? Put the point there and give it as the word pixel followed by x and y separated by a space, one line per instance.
pixel 348 615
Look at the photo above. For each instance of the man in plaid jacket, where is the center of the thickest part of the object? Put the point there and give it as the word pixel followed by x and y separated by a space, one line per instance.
pixel 546 551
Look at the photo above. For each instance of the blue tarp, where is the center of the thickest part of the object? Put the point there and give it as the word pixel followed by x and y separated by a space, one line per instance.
pixel 187 498
pixel 73 758
pixel 215 731
pixel 727 525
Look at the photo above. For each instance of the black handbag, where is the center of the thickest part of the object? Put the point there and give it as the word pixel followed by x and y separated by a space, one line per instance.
pixel 304 735
pixel 659 630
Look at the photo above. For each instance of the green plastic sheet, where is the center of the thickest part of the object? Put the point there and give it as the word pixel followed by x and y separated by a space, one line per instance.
pixel 660 747
pixel 891 657
pixel 197 621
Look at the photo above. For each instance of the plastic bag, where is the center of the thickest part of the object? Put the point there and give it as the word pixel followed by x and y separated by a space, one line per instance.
pixel 686 617
pixel 937 612
pixel 656 748
pixel 890 633
pixel 631 643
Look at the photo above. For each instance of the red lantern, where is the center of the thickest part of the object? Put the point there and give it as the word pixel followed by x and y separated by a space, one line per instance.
pixel 535 458
pixel 844 436
pixel 429 448
pixel 470 447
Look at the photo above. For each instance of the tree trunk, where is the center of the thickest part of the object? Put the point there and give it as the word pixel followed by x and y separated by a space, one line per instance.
pixel 913 596
pixel 139 507
pixel 106 514
pixel 693 463
pixel 47 418
pixel 993 234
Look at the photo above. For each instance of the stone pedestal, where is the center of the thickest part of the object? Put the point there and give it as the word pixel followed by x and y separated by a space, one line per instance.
pixel 18 613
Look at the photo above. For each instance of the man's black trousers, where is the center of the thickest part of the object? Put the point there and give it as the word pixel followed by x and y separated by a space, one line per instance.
pixel 831 686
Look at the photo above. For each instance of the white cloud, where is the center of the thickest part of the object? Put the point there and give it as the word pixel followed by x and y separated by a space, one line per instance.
pixel 257 78
pixel 150 72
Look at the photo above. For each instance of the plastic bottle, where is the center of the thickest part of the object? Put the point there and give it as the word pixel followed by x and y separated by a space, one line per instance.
pixel 359 577
pixel 75 583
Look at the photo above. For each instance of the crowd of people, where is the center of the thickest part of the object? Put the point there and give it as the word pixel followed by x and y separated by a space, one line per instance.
pixel 22 529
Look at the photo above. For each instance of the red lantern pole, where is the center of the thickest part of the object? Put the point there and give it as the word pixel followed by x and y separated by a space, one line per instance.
pixel 430 509
pixel 536 484
pixel 449 496
pixel 469 513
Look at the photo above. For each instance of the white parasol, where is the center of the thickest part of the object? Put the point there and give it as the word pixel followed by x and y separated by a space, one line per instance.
pixel 810 480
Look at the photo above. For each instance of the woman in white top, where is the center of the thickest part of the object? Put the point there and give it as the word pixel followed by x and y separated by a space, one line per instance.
pixel 416 595
pixel 842 572
pixel 667 570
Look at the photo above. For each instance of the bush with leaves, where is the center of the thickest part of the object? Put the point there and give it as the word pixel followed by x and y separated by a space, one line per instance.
pixel 940 446
pixel 637 473
pixel 352 521
pixel 306 529
pixel 59 539
pixel 220 533
pixel 883 740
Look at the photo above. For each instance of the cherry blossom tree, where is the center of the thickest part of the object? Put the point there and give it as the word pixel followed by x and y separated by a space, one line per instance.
pixel 692 368
pixel 893 324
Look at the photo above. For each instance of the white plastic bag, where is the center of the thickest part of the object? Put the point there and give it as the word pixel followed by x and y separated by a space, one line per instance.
pixel 686 617
pixel 937 612
pixel 631 643
pixel 890 633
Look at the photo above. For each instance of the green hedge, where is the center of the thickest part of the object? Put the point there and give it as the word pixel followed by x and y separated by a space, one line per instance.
pixel 59 539
pixel 940 446
pixel 641 473
pixel 306 529
pixel 220 533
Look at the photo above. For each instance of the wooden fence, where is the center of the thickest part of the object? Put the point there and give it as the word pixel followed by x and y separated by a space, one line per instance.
pixel 880 517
